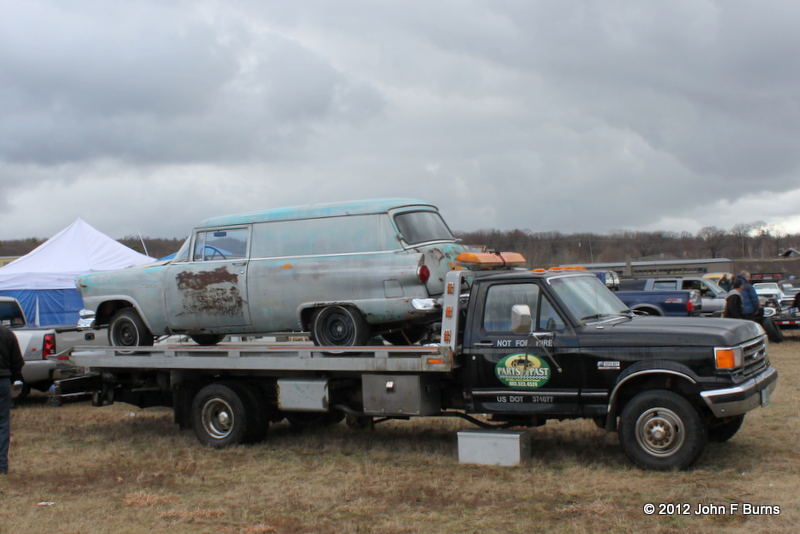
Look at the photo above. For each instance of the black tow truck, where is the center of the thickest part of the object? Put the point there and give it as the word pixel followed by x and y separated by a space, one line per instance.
pixel 515 348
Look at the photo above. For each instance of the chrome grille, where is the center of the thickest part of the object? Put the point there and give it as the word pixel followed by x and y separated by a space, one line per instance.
pixel 756 358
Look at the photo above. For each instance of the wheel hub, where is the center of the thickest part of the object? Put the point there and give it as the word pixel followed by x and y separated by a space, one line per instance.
pixel 659 431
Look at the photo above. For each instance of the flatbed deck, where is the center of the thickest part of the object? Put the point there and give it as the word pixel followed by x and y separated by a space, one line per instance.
pixel 268 357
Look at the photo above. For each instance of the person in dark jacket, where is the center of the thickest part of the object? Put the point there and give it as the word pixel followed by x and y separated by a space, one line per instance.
pixel 751 308
pixel 733 302
pixel 11 363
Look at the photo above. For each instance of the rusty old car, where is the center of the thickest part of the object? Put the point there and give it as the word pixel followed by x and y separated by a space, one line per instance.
pixel 344 272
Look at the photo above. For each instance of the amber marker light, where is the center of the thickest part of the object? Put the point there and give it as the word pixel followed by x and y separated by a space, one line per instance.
pixel 728 358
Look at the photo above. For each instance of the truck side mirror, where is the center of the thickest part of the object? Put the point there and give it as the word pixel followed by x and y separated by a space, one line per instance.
pixel 521 319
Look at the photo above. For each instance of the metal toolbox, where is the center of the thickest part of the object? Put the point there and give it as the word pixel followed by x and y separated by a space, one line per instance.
pixel 401 395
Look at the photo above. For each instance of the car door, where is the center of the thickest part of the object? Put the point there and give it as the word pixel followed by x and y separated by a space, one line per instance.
pixel 508 372
pixel 209 291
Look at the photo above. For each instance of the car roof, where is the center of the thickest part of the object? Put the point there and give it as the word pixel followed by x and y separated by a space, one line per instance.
pixel 315 211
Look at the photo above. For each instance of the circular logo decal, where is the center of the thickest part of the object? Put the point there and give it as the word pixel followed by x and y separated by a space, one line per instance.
pixel 520 371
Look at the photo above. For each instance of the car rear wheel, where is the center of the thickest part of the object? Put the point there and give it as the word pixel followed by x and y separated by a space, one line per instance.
pixel 128 330
pixel 339 326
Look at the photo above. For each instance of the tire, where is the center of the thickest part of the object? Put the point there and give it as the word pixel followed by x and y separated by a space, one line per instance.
pixel 339 326
pixel 724 429
pixel 127 329
pixel 256 410
pixel 774 333
pixel 207 339
pixel 662 431
pixel 220 416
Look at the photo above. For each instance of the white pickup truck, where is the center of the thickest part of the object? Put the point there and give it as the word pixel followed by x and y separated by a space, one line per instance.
pixel 37 344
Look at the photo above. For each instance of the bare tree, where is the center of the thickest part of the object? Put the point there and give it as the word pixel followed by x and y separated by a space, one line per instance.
pixel 741 232
pixel 714 239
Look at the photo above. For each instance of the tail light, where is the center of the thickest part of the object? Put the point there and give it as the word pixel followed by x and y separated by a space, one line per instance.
pixel 48 345
pixel 423 273
pixel 689 306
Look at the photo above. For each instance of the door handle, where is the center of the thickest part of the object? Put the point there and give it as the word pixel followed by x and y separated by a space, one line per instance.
pixel 485 344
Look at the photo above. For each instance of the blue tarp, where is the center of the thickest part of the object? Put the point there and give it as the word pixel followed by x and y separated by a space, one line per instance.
pixel 56 306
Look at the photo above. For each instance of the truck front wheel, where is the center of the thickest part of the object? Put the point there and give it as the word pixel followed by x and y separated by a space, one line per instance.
pixel 662 431
pixel 127 329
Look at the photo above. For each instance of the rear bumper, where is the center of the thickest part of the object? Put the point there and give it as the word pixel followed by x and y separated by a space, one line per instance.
pixel 746 396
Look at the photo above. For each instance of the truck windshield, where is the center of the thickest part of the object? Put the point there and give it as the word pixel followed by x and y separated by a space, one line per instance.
pixel 422 226
pixel 587 298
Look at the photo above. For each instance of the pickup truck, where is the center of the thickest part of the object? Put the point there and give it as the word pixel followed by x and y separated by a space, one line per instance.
pixel 712 296
pixel 515 348
pixel 38 345
pixel 662 303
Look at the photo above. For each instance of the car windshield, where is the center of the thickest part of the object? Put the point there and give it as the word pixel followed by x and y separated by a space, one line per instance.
pixel 422 226
pixel 587 298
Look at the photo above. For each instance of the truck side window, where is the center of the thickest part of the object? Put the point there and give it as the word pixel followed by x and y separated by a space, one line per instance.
pixel 549 320
pixel 499 301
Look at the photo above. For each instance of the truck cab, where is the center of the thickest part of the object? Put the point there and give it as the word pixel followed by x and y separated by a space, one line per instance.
pixel 668 384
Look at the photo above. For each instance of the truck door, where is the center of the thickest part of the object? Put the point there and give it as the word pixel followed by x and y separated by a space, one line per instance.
pixel 500 377
pixel 209 291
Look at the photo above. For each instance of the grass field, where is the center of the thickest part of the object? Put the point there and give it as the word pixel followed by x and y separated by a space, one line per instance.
pixel 78 469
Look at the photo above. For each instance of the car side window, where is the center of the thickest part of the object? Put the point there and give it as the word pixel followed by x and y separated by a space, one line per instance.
pixel 501 298
pixel 216 245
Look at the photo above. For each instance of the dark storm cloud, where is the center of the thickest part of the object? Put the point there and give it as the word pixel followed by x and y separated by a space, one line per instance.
pixel 567 116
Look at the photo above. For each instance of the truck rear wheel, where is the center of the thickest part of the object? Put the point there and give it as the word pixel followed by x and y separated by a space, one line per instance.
pixel 220 416
pixel 127 329
pixel 341 326
pixel 662 431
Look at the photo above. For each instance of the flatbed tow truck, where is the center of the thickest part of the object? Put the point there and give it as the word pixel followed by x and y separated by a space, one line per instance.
pixel 516 348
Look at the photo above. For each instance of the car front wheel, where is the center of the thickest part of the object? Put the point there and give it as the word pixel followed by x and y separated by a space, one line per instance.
pixel 128 330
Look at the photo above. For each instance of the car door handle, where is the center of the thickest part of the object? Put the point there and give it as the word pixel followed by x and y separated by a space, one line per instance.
pixel 485 344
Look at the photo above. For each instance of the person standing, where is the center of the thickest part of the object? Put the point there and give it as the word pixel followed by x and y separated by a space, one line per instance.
pixel 733 302
pixel 11 363
pixel 750 305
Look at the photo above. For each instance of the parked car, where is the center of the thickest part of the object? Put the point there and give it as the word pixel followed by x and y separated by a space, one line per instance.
pixel 36 344
pixel 343 272
pixel 770 294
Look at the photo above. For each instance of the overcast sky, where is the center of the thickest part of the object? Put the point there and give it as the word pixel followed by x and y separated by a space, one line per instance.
pixel 149 116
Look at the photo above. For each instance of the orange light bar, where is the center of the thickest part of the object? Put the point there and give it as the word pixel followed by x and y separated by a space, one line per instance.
pixel 480 261
pixel 432 361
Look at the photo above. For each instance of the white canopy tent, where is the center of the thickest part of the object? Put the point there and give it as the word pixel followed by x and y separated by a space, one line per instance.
pixel 44 280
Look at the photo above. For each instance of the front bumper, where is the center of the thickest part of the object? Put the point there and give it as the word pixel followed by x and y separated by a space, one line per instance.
pixel 740 399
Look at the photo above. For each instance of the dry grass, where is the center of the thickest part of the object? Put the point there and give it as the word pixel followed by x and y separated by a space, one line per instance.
pixel 121 469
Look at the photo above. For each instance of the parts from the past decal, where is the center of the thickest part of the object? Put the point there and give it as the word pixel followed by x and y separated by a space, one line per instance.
pixel 522 371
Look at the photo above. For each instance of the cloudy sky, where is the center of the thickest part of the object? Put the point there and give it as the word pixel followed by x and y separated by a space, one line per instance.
pixel 148 116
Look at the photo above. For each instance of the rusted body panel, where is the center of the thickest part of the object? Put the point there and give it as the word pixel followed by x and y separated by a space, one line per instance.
pixel 266 271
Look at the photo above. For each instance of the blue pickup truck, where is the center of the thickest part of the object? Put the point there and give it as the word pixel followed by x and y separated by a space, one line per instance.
pixel 676 303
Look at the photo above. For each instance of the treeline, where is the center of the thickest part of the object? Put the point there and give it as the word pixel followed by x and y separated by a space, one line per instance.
pixel 153 247
pixel 751 241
